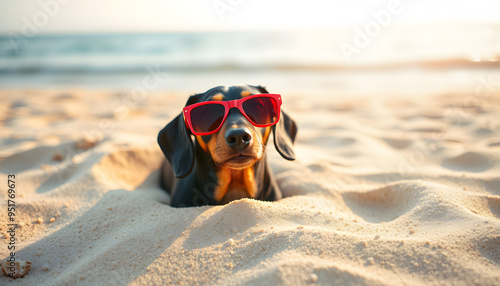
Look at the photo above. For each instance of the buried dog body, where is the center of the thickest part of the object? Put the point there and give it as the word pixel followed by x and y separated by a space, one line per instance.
pixel 227 161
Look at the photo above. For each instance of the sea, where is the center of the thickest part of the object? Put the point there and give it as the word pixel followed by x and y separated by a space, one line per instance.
pixel 335 62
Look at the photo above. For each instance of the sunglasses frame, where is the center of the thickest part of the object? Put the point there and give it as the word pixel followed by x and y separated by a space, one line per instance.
pixel 228 105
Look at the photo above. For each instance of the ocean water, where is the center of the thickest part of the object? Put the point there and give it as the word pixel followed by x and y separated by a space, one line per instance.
pixel 291 61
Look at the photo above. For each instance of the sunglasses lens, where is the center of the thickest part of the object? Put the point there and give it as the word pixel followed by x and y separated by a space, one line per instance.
pixel 206 118
pixel 261 110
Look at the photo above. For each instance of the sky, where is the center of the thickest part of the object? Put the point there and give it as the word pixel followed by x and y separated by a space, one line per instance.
pixel 90 16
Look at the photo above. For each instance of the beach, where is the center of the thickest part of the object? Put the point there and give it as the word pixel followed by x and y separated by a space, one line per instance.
pixel 396 178
pixel 385 190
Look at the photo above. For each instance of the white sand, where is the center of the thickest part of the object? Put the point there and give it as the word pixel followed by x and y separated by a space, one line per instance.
pixel 384 192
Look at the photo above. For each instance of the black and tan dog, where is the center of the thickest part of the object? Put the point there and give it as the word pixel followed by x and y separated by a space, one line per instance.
pixel 227 165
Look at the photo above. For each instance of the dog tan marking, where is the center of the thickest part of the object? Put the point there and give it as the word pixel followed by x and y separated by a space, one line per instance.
pixel 218 97
pixel 235 180
pixel 245 93
pixel 249 182
pixel 202 143
pixel 224 176
pixel 266 135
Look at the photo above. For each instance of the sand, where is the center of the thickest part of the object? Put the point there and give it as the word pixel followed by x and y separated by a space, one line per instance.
pixel 384 191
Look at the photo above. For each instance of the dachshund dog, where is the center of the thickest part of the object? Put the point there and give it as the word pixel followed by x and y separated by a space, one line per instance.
pixel 230 127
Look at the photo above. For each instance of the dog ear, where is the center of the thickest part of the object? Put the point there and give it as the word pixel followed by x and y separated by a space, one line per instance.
pixel 175 142
pixel 284 136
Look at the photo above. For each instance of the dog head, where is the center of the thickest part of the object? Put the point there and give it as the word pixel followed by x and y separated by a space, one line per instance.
pixel 237 145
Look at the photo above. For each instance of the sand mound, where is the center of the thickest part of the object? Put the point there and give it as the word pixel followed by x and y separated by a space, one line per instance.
pixel 469 161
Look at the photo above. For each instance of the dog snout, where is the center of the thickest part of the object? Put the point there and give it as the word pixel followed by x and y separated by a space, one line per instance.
pixel 238 138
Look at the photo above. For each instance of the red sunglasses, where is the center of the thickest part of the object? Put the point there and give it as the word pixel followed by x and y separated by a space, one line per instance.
pixel 207 117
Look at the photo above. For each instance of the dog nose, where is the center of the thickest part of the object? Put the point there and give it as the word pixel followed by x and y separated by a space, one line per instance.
pixel 238 138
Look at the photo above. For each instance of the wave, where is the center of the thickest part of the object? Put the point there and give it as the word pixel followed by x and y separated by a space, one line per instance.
pixel 458 63
pixel 228 51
